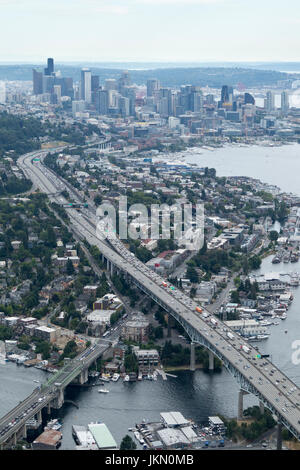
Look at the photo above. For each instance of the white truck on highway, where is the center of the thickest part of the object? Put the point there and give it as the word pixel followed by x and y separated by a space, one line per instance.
pixel 245 348
pixel 230 335
pixel 213 321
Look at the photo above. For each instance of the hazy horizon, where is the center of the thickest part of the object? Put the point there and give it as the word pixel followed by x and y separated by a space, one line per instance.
pixel 149 30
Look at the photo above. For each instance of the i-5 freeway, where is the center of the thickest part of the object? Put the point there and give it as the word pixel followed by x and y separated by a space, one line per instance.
pixel 255 375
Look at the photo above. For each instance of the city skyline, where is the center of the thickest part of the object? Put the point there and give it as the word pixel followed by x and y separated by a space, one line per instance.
pixel 141 30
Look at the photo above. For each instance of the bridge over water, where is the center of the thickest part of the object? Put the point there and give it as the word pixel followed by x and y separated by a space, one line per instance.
pixel 49 395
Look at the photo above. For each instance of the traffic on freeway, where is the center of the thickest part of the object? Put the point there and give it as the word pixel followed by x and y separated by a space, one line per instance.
pixel 273 387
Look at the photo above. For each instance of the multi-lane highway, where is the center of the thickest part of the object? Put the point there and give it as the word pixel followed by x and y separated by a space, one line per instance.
pixel 255 375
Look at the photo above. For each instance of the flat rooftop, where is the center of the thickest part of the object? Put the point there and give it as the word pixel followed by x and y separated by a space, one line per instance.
pixel 102 436
pixel 174 418
pixel 50 437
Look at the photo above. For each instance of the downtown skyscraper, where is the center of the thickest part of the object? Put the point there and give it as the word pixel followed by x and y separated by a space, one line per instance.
pixel 86 85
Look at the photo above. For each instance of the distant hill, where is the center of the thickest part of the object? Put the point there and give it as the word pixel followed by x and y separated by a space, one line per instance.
pixel 173 76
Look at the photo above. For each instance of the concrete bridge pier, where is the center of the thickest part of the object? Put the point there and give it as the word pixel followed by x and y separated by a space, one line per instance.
pixel 84 376
pixel 169 325
pixel 279 436
pixel 48 409
pixel 38 417
pixel 192 360
pixel 59 400
pixel 211 361
pixel 261 407
pixel 241 403
pixel 112 269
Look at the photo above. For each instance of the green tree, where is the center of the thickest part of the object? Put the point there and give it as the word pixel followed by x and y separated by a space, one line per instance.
pixel 192 274
pixel 70 268
pixel 273 235
pixel 235 297
pixel 130 361
pixel 127 443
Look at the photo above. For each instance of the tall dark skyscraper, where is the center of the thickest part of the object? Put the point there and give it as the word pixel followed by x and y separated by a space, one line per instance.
pixel 102 101
pixel 226 94
pixel 45 82
pixel 249 99
pixel 50 67
pixel 95 82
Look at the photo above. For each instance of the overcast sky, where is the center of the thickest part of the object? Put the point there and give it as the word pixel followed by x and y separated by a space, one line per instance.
pixel 150 30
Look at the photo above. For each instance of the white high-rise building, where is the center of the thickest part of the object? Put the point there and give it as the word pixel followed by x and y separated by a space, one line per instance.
pixel 78 107
pixel 173 122
pixel 86 85
pixel 2 92
pixel 284 101
pixel 270 101
pixel 57 93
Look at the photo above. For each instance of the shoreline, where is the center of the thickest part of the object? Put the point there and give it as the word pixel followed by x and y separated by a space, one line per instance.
pixel 186 154
pixel 184 368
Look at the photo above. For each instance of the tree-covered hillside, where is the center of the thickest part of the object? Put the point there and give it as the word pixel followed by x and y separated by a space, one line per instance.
pixel 169 76
pixel 19 134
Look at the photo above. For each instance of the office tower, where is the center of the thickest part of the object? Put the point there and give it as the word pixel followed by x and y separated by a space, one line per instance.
pixel 102 101
pixel 270 101
pixel 210 99
pixel 167 102
pixel 172 102
pixel 184 98
pixel 37 78
pixel 86 85
pixel 196 100
pixel 285 101
pixel 57 93
pixel 110 84
pixel 95 82
pixel 152 86
pixel 226 94
pixel 163 107
pixel 66 84
pixel 48 83
pixel 124 106
pixel 50 67
pixel 249 99
pixel 76 88
pixel 2 92
pixel 78 107
pixel 124 81
pixel 130 93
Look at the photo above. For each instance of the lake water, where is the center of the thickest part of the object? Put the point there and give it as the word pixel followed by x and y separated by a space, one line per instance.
pixel 274 165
